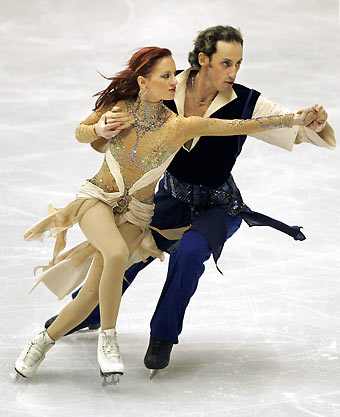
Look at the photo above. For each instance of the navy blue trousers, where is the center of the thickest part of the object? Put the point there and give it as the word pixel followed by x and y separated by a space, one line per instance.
pixel 186 265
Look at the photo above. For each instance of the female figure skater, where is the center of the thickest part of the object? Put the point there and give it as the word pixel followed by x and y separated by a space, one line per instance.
pixel 115 207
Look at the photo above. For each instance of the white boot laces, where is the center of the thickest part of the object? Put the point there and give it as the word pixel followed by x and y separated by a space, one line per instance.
pixel 110 346
pixel 33 355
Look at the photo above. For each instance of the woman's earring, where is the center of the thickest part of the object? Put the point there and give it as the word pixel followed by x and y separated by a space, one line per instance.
pixel 142 94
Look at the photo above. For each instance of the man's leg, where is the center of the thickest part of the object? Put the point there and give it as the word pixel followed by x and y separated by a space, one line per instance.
pixel 186 265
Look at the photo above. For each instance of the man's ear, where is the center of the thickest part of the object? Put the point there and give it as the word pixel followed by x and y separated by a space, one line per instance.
pixel 203 59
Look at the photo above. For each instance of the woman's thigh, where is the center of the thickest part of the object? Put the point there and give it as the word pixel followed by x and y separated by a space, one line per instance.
pixel 99 226
pixel 132 236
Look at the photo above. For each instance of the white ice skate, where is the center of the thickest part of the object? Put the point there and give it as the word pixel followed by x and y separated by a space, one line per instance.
pixel 109 359
pixel 33 354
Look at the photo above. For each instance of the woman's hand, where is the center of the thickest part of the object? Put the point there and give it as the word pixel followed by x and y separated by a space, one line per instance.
pixel 303 117
pixel 112 122
pixel 314 117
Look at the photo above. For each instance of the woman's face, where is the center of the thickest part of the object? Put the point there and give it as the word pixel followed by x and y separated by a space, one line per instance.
pixel 161 83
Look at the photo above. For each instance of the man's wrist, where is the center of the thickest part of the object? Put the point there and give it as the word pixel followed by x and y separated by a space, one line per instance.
pixel 320 128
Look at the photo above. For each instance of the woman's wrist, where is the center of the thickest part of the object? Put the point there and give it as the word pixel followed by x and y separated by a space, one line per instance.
pixel 96 129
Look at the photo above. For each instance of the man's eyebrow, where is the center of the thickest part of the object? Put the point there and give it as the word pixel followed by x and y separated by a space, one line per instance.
pixel 230 60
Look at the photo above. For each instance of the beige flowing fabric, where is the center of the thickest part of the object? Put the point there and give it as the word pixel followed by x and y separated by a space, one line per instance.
pixel 66 272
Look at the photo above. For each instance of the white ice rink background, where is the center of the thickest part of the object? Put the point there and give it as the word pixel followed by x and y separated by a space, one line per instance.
pixel 262 340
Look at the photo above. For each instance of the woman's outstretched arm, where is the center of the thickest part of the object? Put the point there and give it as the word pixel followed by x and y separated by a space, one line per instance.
pixel 190 127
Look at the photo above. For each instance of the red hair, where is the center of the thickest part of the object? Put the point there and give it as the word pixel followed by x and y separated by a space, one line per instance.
pixel 124 84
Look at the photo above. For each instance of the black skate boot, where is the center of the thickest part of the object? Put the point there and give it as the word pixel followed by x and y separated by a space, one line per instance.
pixel 158 355
pixel 82 325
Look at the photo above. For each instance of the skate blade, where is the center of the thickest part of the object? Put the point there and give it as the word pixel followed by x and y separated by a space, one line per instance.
pixel 110 378
pixel 153 373
pixel 93 327
pixel 16 376
pixel 89 329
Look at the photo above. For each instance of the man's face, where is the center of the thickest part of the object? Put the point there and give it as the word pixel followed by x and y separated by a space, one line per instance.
pixel 224 65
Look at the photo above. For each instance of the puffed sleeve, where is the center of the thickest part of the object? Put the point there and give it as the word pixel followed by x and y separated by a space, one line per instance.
pixel 287 138
pixel 193 126
pixel 325 138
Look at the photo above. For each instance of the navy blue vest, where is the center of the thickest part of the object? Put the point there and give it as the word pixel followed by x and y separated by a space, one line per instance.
pixel 210 162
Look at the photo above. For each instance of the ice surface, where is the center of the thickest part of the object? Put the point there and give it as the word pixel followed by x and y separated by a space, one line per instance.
pixel 262 340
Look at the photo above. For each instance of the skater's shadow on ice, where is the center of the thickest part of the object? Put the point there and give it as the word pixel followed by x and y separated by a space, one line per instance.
pixel 229 364
pixel 47 376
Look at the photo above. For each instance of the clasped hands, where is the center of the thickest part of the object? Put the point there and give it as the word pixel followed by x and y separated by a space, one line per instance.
pixel 313 117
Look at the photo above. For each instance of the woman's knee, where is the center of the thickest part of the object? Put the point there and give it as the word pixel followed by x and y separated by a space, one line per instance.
pixel 98 260
pixel 118 255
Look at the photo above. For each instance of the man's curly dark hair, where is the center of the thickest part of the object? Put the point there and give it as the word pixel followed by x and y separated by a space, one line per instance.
pixel 207 39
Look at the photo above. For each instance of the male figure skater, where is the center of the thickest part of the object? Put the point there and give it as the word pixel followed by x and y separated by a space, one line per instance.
pixel 198 188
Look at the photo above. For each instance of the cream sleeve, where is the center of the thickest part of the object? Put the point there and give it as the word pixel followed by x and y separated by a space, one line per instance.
pixel 287 138
pixel 324 138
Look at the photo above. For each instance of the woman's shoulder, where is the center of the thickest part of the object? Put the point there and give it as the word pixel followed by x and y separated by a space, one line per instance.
pixel 122 104
pixel 177 120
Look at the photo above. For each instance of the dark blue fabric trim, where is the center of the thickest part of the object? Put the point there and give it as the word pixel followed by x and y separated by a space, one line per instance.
pixel 246 114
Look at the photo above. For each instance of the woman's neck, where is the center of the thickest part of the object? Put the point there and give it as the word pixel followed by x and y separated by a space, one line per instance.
pixel 148 110
pixel 141 102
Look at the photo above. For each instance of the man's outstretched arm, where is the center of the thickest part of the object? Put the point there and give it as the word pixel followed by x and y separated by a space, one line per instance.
pixel 319 133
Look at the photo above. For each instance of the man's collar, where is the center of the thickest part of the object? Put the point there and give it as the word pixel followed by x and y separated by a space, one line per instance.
pixel 179 99
pixel 219 101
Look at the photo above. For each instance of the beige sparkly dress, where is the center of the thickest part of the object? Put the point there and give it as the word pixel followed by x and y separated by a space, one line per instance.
pixel 133 163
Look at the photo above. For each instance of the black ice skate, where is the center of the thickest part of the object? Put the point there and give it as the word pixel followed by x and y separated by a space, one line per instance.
pixel 82 325
pixel 157 356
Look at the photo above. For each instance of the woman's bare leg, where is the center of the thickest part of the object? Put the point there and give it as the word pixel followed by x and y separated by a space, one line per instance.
pixel 110 288
pixel 80 307
pixel 98 225
pixel 104 283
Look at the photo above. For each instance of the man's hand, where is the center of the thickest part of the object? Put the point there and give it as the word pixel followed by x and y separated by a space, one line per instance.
pixel 112 122
pixel 315 118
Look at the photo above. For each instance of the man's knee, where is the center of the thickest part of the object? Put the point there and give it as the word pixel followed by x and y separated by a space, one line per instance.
pixel 194 246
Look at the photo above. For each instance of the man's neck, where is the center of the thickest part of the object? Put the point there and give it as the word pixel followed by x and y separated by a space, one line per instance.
pixel 203 90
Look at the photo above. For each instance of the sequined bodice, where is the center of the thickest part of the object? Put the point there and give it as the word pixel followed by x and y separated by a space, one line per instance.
pixel 138 149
